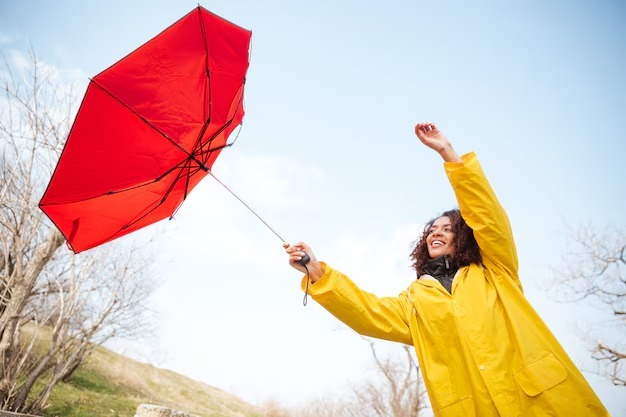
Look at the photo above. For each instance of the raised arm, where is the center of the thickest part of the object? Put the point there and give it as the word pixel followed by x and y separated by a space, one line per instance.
pixel 482 212
pixel 366 313
pixel 477 201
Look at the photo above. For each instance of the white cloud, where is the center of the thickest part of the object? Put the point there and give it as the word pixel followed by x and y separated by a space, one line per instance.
pixel 378 263
pixel 269 180
pixel 6 39
pixel 18 60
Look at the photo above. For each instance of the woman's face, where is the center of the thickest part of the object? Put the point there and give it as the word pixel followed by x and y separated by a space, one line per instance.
pixel 440 239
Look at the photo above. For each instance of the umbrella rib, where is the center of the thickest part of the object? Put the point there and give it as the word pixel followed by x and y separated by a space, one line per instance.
pixel 167 193
pixel 207 92
pixel 200 145
pixel 188 175
pixel 143 119
pixel 180 166
pixel 185 164
pixel 208 72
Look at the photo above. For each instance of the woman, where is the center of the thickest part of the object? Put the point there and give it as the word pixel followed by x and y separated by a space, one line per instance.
pixel 482 348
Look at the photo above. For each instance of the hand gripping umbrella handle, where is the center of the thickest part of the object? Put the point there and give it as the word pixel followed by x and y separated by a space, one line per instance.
pixel 305 259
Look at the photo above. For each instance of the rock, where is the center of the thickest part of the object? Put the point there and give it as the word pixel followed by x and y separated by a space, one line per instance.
pixel 149 410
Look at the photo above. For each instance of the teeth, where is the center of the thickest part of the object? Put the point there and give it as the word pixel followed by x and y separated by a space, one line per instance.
pixel 437 243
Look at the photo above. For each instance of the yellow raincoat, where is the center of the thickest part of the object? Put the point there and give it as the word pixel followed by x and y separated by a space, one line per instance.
pixel 483 349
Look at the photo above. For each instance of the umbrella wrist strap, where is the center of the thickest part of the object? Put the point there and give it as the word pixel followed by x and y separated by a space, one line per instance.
pixel 306 289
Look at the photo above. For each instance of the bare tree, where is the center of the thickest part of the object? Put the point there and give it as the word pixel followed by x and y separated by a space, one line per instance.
pixel 273 409
pixel 323 407
pixel 85 307
pixel 396 391
pixel 76 301
pixel 594 271
pixel 27 244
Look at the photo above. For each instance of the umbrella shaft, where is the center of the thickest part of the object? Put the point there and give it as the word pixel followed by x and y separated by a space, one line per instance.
pixel 248 207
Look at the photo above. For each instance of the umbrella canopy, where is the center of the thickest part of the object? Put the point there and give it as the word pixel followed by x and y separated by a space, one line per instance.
pixel 148 130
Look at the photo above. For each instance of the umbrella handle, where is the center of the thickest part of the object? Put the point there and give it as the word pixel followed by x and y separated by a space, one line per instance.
pixel 305 260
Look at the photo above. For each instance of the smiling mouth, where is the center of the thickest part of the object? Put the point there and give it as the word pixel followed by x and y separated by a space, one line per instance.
pixel 436 243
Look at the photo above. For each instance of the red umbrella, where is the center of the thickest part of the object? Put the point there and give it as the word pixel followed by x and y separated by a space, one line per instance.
pixel 148 130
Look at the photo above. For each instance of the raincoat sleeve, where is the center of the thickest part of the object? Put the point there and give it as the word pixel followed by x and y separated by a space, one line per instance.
pixel 482 211
pixel 366 313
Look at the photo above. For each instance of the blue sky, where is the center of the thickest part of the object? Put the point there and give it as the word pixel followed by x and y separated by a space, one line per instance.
pixel 327 155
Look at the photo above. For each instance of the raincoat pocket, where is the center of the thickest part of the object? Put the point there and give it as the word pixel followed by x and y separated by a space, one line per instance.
pixel 541 374
pixel 461 408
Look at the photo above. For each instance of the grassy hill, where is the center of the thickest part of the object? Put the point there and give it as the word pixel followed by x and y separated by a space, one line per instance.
pixel 111 385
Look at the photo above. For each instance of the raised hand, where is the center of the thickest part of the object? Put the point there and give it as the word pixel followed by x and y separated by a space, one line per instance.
pixel 430 136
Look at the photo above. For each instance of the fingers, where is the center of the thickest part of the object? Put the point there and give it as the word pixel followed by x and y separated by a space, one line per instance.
pixel 424 128
pixel 300 246
pixel 296 252
pixel 313 269
pixel 430 136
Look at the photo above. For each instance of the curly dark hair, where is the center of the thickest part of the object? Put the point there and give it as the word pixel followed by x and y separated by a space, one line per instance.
pixel 465 247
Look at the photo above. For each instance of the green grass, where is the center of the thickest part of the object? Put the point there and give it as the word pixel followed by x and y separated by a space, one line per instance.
pixel 93 382
pixel 108 384
pixel 87 396
pixel 89 393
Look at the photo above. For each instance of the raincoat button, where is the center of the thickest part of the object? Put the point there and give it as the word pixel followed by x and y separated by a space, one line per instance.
pixel 481 367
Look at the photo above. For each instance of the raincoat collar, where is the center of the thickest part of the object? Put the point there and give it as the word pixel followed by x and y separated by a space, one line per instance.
pixel 442 269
